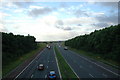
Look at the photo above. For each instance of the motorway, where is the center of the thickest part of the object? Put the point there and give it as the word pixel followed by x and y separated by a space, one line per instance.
pixel 82 66
pixel 46 57
pixel 85 67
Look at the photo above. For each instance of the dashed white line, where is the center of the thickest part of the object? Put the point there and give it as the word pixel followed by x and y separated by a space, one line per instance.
pixel 91 75
pixel 32 76
pixel 47 66
pixel 28 65
pixel 46 76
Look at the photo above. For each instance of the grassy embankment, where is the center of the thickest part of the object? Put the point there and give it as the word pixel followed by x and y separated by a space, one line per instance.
pixel 66 71
pixel 97 57
pixel 12 65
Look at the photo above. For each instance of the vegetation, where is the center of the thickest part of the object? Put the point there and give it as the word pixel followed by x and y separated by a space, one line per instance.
pixel 65 70
pixel 105 42
pixel 16 49
pixel 12 65
pixel 14 46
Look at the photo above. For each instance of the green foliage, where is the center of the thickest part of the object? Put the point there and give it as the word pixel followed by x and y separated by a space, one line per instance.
pixel 14 46
pixel 105 42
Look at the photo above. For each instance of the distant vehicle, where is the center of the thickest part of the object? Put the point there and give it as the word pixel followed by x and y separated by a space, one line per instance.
pixel 41 67
pixel 48 46
pixel 52 75
pixel 65 48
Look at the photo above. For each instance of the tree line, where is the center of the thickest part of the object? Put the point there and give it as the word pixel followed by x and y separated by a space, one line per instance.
pixel 14 46
pixel 105 42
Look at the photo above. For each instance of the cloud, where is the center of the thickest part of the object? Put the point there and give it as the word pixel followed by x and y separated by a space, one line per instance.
pixel 18 11
pixel 80 20
pixel 68 28
pixel 37 7
pixel 65 28
pixel 60 25
pixel 3 14
pixel 109 4
pixel 41 11
pixel 63 5
pixel 79 13
pixel 59 22
pixel 2 27
pixel 112 19
pixel 70 24
pixel 101 25
pixel 22 4
pixel 79 24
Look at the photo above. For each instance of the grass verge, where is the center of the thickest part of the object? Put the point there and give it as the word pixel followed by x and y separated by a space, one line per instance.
pixel 12 65
pixel 97 57
pixel 66 71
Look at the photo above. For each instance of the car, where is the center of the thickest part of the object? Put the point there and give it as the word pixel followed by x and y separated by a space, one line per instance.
pixel 65 48
pixel 48 47
pixel 41 67
pixel 52 75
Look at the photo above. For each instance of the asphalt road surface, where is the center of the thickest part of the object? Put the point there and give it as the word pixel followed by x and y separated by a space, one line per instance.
pixel 46 57
pixel 82 66
pixel 85 67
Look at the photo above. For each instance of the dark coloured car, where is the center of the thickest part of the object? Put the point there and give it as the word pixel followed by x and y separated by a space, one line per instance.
pixel 65 48
pixel 52 75
pixel 41 67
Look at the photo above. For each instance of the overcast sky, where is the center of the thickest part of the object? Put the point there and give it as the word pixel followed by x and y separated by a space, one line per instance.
pixel 51 21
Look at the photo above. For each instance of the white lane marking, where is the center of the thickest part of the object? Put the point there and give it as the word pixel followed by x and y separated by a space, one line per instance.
pixel 57 64
pixel 71 68
pixel 47 66
pixel 97 64
pixel 32 76
pixel 28 64
pixel 45 76
pixel 104 75
pixel 48 61
pixel 91 75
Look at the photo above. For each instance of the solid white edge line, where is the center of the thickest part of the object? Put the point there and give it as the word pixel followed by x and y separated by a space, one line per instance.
pixel 91 75
pixel 28 65
pixel 71 68
pixel 32 76
pixel 96 64
pixel 57 64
